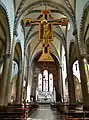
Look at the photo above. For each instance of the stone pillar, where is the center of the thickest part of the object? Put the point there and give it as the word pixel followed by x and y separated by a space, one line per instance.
pixel 71 89
pixel 80 51
pixel 22 87
pixel 3 82
pixel 29 79
pixel 18 88
pixel 61 85
pixel 7 92
pixel 83 76
pixel 8 87
pixel 71 85
pixel 84 80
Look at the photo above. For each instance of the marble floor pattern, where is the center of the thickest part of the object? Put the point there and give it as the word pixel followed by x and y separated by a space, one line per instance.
pixel 44 112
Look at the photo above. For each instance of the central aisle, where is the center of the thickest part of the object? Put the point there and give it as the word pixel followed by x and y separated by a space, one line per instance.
pixel 44 112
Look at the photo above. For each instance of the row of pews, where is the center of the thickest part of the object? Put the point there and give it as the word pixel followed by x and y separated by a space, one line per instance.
pixel 71 111
pixel 16 111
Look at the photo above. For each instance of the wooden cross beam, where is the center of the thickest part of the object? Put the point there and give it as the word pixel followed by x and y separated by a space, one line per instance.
pixel 45 24
pixel 62 21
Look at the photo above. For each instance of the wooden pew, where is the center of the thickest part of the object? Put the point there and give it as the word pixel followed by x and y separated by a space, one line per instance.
pixel 73 111
pixel 16 111
pixel 11 112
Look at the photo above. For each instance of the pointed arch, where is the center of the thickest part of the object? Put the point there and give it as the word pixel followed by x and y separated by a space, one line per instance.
pixel 6 27
pixel 18 53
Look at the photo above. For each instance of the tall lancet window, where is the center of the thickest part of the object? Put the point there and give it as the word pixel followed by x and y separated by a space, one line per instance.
pixel 50 82
pixel 40 82
pixel 45 80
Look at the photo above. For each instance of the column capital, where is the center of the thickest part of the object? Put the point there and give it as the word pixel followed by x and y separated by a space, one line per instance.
pixel 6 55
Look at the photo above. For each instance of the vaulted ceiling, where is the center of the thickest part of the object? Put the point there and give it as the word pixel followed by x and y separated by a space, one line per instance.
pixel 32 9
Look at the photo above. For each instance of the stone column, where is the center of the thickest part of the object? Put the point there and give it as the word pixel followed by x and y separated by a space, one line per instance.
pixel 21 96
pixel 29 79
pixel 61 85
pixel 80 51
pixel 3 82
pixel 7 92
pixel 18 88
pixel 71 89
pixel 8 87
pixel 71 85
pixel 84 80
pixel 25 70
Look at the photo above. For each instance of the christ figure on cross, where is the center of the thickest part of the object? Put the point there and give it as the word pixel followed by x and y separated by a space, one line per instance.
pixel 45 32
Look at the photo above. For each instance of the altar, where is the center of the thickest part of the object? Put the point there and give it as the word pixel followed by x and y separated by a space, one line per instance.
pixel 45 97
pixel 45 91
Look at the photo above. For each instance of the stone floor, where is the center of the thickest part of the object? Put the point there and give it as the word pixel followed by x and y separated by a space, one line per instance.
pixel 44 112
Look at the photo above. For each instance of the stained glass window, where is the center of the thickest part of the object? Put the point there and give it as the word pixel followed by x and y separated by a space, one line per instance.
pixel 50 82
pixel 45 81
pixel 40 82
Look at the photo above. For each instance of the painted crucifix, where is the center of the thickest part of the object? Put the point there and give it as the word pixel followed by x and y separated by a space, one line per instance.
pixel 46 32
